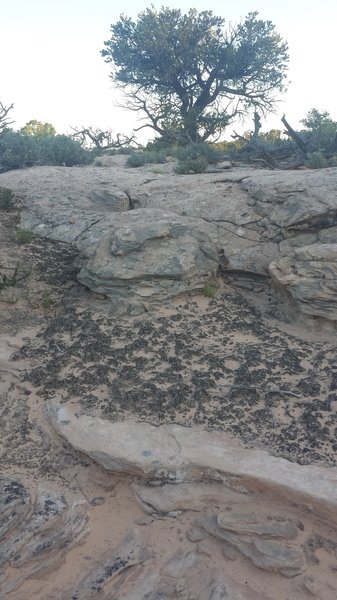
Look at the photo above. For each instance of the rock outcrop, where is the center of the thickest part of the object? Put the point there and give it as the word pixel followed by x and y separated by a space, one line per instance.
pixel 151 258
pixel 251 217
pixel 172 453
pixel 309 275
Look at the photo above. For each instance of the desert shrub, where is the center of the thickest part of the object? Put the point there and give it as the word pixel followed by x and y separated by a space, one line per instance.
pixel 333 161
pixel 62 150
pixel 17 151
pixel 47 300
pixel 209 290
pixel 316 160
pixel 139 159
pixel 198 164
pixel 6 198
pixel 124 150
pixel 194 151
pixel 24 236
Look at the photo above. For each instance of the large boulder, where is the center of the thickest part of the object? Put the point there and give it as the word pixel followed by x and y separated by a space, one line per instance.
pixel 309 275
pixel 149 257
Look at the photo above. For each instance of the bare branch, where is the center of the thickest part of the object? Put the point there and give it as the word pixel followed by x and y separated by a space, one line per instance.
pixel 4 120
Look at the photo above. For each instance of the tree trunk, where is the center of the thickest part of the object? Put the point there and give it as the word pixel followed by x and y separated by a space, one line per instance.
pixel 295 136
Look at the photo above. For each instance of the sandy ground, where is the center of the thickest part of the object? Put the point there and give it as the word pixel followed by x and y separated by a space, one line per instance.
pixel 237 362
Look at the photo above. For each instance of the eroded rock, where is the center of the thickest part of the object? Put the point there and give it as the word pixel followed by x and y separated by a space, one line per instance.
pixel 309 275
pixel 37 536
pixel 265 553
pixel 150 258
pixel 172 453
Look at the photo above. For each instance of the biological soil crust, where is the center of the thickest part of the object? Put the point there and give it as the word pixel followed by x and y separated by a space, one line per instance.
pixel 234 362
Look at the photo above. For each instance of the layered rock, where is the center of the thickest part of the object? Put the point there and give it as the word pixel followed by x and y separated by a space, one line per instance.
pixel 176 454
pixel 309 275
pixel 151 258
pixel 36 535
pixel 251 217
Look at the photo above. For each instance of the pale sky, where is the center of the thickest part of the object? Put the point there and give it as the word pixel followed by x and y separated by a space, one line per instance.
pixel 51 68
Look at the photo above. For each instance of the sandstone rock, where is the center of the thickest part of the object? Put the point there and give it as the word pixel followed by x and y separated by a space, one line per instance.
pixel 150 258
pixel 173 453
pixel 167 499
pixel 249 524
pixel 15 504
pixel 115 202
pixel 254 217
pixel 225 164
pixel 310 277
pixel 266 554
pixel 37 538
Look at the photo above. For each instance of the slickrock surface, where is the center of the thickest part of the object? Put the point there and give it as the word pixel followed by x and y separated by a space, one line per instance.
pixel 172 435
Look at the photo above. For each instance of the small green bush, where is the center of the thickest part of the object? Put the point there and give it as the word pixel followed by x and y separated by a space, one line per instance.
pixel 24 236
pixel 333 161
pixel 6 198
pixel 18 151
pixel 62 150
pixel 139 159
pixel 193 151
pixel 192 165
pixel 316 160
pixel 47 300
pixel 210 289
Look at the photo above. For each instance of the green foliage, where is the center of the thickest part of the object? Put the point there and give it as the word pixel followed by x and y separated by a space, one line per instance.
pixel 316 160
pixel 195 158
pixel 193 151
pixel 24 236
pixel 62 150
pixel 197 164
pixel 139 159
pixel 47 300
pixel 38 129
pixel 18 151
pixel 321 130
pixel 210 289
pixel 6 198
pixel 191 76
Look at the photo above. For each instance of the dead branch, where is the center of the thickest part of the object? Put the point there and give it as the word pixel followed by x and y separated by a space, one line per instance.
pixel 102 140
pixel 295 136
pixel 4 120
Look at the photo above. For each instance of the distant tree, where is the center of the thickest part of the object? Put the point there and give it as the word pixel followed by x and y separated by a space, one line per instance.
pixel 38 129
pixel 318 120
pixel 322 130
pixel 189 74
pixel 4 119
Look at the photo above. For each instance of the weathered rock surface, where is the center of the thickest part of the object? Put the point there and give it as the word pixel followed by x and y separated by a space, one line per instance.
pixel 150 259
pixel 172 500
pixel 36 535
pixel 310 277
pixel 178 454
pixel 252 217
pixel 255 540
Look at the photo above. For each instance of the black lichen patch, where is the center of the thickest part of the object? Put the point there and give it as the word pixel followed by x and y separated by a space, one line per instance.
pixel 227 367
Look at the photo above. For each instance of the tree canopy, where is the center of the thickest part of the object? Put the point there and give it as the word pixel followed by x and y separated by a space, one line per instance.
pixel 190 74
pixel 38 129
